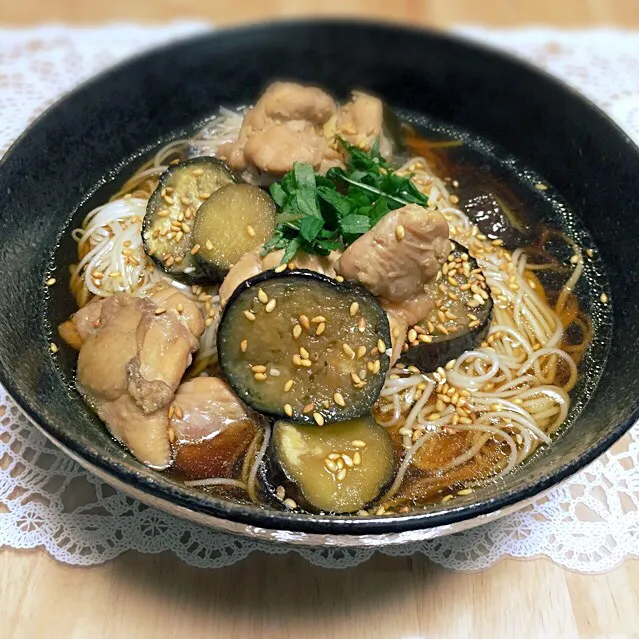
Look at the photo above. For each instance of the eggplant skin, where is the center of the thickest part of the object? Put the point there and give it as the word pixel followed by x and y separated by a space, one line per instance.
pixel 155 204
pixel 429 357
pixel 269 396
pixel 444 348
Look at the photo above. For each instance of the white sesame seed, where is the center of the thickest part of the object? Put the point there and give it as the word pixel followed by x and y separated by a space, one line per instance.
pixel 281 268
pixel 260 377
pixel 357 458
pixel 330 464
pixel 318 419
pixel 339 399
pixel 603 298
pixel 400 232
pixel 51 281
pixel 262 296
pixel 290 503
pixel 249 315
pixel 271 305
pixel 244 345
pixel 354 309
pixel 348 351
pixel 280 493
pixel 321 327
pixel 341 475
pixel 250 230
pixel 348 460
pixel 288 385
pixel 54 347
pixel 288 409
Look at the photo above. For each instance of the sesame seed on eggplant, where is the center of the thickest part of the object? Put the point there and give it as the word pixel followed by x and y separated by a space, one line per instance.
pixel 302 346
pixel 171 213
pixel 339 468
pixel 460 318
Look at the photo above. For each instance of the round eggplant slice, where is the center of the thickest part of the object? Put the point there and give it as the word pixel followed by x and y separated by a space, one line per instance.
pixel 171 211
pixel 235 220
pixel 460 319
pixel 340 468
pixel 302 346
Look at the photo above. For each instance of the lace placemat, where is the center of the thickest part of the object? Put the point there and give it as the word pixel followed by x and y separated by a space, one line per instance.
pixel 590 523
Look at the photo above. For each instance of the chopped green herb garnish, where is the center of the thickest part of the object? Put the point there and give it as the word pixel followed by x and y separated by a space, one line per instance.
pixel 318 214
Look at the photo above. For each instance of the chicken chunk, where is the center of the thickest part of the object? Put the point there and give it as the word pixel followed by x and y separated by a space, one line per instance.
pixel 212 428
pixel 253 263
pixel 132 358
pixel 144 434
pixel 361 122
pixel 205 407
pixel 187 310
pixel 285 126
pixel 399 255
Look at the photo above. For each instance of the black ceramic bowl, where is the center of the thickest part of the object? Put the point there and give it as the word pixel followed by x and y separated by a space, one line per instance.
pixel 81 144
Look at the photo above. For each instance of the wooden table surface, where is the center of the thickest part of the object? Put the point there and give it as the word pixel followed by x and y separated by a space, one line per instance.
pixel 284 597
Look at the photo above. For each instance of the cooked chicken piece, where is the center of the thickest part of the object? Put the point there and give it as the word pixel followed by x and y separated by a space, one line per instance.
pixel 284 126
pixel 252 264
pixel 70 334
pixel 204 407
pixel 87 319
pixel 411 311
pixel 399 255
pixel 187 310
pixel 144 434
pixel 211 427
pixel 133 356
pixel 164 346
pixel 361 122
pixel 109 327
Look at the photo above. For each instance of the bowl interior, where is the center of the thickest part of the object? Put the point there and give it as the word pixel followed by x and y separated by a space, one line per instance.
pixel 75 154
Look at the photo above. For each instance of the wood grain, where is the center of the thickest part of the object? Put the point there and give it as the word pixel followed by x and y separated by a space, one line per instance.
pixel 285 597
pixel 440 13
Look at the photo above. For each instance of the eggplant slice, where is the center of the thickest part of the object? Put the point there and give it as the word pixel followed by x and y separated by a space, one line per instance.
pixel 235 220
pixel 171 211
pixel 340 468
pixel 302 346
pixel 460 319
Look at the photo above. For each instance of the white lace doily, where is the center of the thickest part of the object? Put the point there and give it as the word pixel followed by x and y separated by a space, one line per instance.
pixel 590 523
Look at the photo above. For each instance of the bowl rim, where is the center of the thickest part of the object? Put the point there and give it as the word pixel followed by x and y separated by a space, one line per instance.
pixel 167 494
